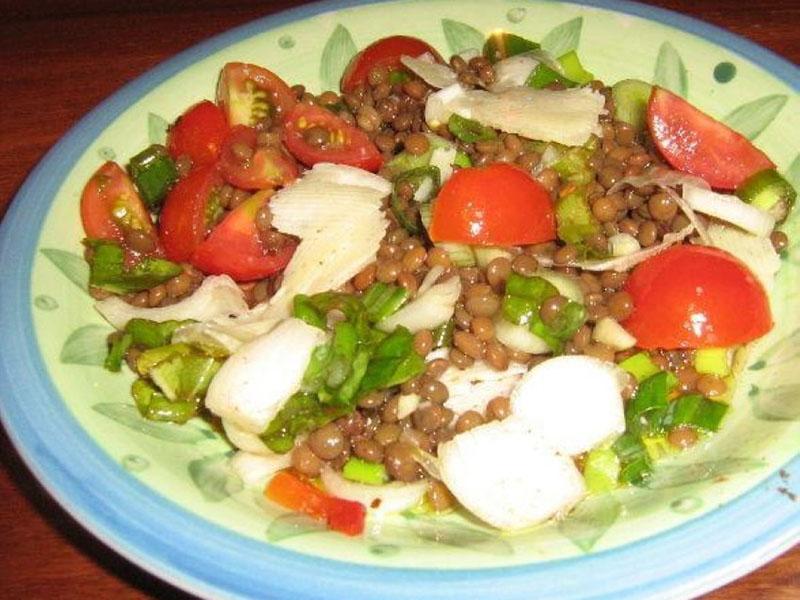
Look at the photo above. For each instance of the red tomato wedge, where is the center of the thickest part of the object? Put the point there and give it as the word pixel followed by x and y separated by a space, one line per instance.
pixel 696 143
pixel 247 165
pixel 199 134
pixel 347 145
pixel 249 94
pixel 111 209
pixel 189 212
pixel 695 297
pixel 297 494
pixel 234 246
pixel 386 53
pixel 496 205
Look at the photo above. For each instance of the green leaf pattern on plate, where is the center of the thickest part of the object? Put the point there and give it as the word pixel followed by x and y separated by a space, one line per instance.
pixel 157 129
pixel 563 38
pixel 45 302
pixel 461 36
pixel 291 525
pixel 669 476
pixel 128 415
pixel 670 72
pixel 590 519
pixel 793 172
pixel 71 265
pixel 751 118
pixel 338 51
pixel 214 477
pixel 86 345
pixel 779 403
pixel 450 533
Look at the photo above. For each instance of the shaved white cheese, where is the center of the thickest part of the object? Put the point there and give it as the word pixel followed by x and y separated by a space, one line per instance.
pixel 346 175
pixel 607 331
pixel 443 158
pixel 379 499
pixel 504 473
pixel 255 469
pixel 512 72
pixel 435 74
pixel 472 388
pixel 568 117
pixel 574 402
pixel 255 382
pixel 428 310
pixel 729 208
pixel 690 214
pixel 623 244
pixel 245 440
pixel 217 295
pixel 407 404
pixel 519 338
pixel 756 252
pixel 229 333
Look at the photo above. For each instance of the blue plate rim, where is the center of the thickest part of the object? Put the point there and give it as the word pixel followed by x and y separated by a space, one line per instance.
pixel 80 480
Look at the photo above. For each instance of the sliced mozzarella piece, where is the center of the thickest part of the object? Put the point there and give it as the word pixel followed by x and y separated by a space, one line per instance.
pixel 506 475
pixel 255 469
pixel 754 251
pixel 255 382
pixel 472 388
pixel 574 402
pixel 428 310
pixel 218 295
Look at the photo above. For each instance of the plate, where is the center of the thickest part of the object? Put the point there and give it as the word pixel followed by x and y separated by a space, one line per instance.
pixel 162 496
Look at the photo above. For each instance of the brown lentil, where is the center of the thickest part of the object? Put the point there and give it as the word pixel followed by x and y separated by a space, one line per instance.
pixel 439 496
pixel 386 433
pixel 482 306
pixel 551 308
pixel 496 355
pixel 662 207
pixel 305 461
pixel 327 442
pixel 369 450
pixel 682 437
pixel 468 420
pixel 620 305
pixel 498 408
pixel 525 265
pixel 468 344
pixel 433 390
pixel 436 367
pixel 482 328
pixel 780 241
pixel 459 359
pixel 711 386
pixel 648 233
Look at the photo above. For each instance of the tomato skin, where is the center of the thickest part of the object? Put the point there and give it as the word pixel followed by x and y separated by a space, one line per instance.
pixel 234 247
pixel 693 142
pixel 695 297
pixel 107 191
pixel 199 134
pixel 266 169
pixel 496 205
pixel 183 222
pixel 385 52
pixel 355 148
pixel 241 89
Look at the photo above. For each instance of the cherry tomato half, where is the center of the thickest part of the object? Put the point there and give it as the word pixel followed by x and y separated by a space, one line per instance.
pixel 496 205
pixel 695 297
pixel 339 143
pixel 111 209
pixel 199 134
pixel 386 53
pixel 190 210
pixel 247 165
pixel 234 247
pixel 696 143
pixel 248 94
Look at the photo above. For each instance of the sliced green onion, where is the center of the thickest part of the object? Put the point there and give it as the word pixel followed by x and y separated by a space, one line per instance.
pixel 601 470
pixel 461 255
pixel 630 102
pixel 108 269
pixel 154 172
pixel 443 334
pixel 640 365
pixel 469 130
pixel 543 76
pixel 573 69
pixel 362 471
pixel 304 309
pixel 574 218
pixel 382 300
pixel 406 211
pixel 648 406
pixel 766 190
pixel 634 460
pixel 696 411
pixel 712 361
pixel 152 334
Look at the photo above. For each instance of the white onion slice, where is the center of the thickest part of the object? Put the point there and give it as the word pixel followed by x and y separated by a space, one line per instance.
pixel 255 469
pixel 519 338
pixel 379 499
pixel 623 244
pixel 607 331
pixel 730 209
pixel 512 72
pixel 428 310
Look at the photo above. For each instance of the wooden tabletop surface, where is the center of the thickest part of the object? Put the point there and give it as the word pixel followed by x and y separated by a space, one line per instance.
pixel 60 58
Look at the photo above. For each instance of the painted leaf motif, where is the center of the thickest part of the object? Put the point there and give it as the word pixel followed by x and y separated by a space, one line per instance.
pixel 461 36
pixel 292 525
pixel 157 129
pixel 670 72
pixel 214 477
pixel 779 403
pixel 563 38
pixel 793 172
pixel 590 519
pixel 454 534
pixel 128 415
pixel 752 118
pixel 338 51
pixel 86 345
pixel 71 265
pixel 784 350
pixel 668 476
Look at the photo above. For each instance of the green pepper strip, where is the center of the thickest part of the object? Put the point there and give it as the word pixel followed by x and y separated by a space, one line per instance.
pixel 469 130
pixel 407 212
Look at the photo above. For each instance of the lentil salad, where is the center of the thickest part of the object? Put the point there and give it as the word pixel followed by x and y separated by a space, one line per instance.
pixel 211 202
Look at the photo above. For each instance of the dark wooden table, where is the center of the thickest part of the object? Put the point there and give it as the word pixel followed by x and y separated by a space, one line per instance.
pixel 58 59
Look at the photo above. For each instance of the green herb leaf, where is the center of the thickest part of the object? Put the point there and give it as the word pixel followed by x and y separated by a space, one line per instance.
pixel 645 411
pixel 694 410
pixel 468 130
pixel 751 118
pixel 393 362
pixel 670 72
pixel 117 351
pixel 128 416
pixel 109 272
pixel 73 266
pixel 301 413
pixel 86 345
pixel 461 36
pixel 337 53
pixel 563 38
